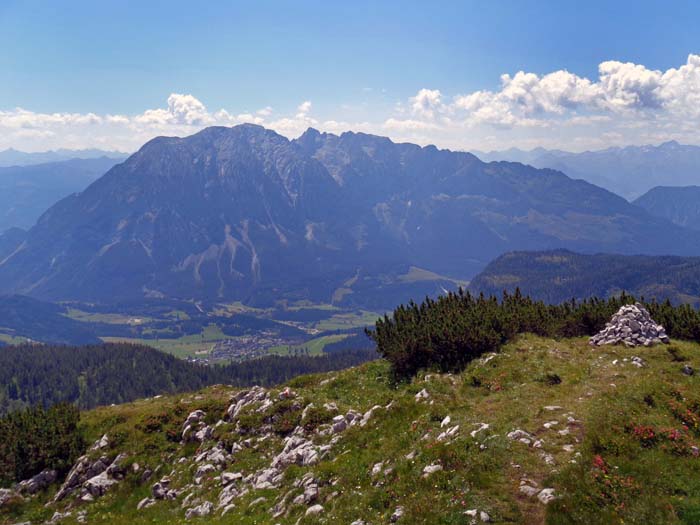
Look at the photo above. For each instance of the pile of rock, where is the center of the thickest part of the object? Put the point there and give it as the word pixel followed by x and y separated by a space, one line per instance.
pixel 632 325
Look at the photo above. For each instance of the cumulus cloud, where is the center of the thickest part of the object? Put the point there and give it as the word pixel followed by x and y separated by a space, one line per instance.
pixel 527 98
pixel 183 114
pixel 626 103
pixel 426 103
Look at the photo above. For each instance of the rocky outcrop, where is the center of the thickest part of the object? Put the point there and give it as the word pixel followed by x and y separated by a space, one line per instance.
pixel 7 496
pixel 199 511
pixel 38 483
pixel 194 428
pixel 93 477
pixel 632 325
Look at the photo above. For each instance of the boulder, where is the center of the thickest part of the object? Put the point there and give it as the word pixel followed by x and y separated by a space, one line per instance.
pixel 546 496
pixel 194 428
pixel 297 451
pixel 314 510
pixel 431 469
pixel 98 485
pixel 38 483
pixel 200 511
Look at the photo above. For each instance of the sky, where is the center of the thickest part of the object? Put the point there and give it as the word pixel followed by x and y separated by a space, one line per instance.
pixel 469 75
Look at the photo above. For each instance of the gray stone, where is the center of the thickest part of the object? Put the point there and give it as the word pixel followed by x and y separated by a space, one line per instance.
pixel 314 510
pixel 529 491
pixel 632 326
pixel 98 485
pixel 7 496
pixel 38 483
pixel 145 503
pixel 431 469
pixel 397 514
pixel 546 496
pixel 199 511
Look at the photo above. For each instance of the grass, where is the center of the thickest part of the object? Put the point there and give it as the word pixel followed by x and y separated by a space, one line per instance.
pixel 13 339
pixel 416 274
pixel 94 317
pixel 347 321
pixel 313 346
pixel 602 392
pixel 182 347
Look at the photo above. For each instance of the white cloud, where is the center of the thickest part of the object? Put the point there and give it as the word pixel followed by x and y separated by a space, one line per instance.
pixel 626 103
pixel 426 103
pixel 304 107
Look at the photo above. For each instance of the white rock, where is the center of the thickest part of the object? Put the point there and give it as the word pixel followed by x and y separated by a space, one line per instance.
pixel 314 510
pixel 546 496
pixel 422 395
pixel 449 433
pixel 482 427
pixel 368 415
pixel 529 491
pixel 397 514
pixel 199 511
pixel 431 469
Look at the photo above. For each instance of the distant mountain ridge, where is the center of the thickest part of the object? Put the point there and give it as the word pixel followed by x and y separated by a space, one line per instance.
pixel 628 171
pixel 245 214
pixel 680 205
pixel 560 275
pixel 28 191
pixel 13 157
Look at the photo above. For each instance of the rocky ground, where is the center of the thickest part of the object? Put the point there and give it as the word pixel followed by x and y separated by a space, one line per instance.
pixel 522 436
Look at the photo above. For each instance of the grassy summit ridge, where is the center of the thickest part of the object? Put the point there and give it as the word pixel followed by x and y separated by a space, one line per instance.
pixel 621 449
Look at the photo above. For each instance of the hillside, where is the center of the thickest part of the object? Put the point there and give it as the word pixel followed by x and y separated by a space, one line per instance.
pixel 541 421
pixel 28 191
pixel 23 319
pixel 244 214
pixel 628 171
pixel 680 205
pixel 90 376
pixel 556 276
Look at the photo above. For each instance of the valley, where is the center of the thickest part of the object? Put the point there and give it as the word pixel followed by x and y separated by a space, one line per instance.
pixel 219 333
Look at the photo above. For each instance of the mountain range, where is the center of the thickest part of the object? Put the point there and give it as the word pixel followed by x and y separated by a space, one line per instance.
pixel 560 275
pixel 28 191
pixel 628 171
pixel 13 157
pixel 245 214
pixel 680 205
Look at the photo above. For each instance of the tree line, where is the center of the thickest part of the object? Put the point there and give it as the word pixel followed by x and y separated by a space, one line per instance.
pixel 95 375
pixel 448 332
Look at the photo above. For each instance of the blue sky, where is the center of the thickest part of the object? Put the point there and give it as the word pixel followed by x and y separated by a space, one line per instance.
pixel 358 63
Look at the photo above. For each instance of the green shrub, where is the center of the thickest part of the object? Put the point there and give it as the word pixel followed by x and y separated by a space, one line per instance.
pixel 36 439
pixel 447 333
pixel 315 417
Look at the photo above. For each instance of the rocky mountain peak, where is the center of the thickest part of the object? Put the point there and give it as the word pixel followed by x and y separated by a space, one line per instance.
pixel 228 210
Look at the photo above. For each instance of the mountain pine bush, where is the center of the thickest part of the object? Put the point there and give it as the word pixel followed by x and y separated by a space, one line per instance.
pixel 448 332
